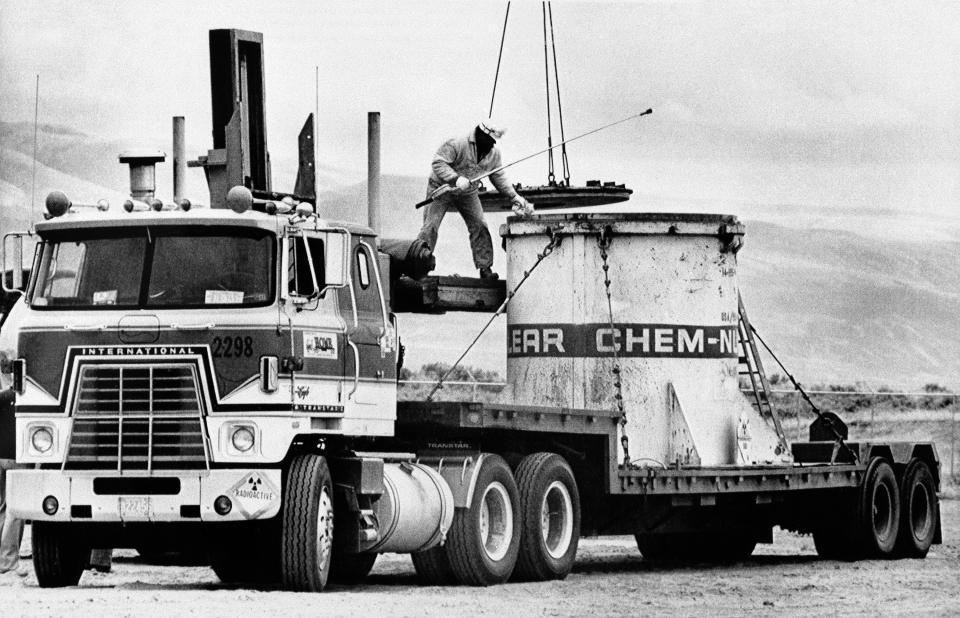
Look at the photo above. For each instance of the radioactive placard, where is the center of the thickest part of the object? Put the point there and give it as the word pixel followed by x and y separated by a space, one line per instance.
pixel 254 494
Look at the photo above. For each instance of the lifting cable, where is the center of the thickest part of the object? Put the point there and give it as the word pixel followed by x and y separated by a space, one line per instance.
pixel 825 419
pixel 551 177
pixel 496 75
pixel 556 79
pixel 547 250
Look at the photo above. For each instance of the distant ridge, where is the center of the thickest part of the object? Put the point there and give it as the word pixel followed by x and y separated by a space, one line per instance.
pixel 836 305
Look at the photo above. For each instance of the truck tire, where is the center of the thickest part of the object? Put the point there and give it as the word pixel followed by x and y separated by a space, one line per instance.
pixel 351 569
pixel 867 522
pixel 919 511
pixel 433 567
pixel 878 515
pixel 59 557
pixel 484 540
pixel 307 535
pixel 550 518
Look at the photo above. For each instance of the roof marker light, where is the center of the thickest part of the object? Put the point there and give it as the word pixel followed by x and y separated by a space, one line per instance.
pixel 304 209
pixel 58 203
pixel 103 205
pixel 128 205
pixel 184 204
pixel 270 208
pixel 155 204
pixel 239 199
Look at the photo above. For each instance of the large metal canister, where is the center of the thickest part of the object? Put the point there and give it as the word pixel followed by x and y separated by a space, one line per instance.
pixel 673 305
pixel 415 510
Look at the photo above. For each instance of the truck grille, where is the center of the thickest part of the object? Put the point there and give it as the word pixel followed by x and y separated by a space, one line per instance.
pixel 137 417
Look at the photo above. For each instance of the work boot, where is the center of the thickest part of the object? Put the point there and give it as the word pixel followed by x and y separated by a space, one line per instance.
pixel 487 273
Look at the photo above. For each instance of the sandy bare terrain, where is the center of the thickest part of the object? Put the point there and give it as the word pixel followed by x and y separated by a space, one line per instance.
pixel 610 579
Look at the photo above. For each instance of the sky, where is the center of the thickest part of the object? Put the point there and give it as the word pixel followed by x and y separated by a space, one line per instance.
pixel 779 107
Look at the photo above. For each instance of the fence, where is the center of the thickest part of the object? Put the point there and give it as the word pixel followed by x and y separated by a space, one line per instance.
pixel 880 424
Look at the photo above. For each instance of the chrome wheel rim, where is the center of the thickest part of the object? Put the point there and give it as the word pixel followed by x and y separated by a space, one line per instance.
pixel 496 521
pixel 920 519
pixel 324 529
pixel 556 519
pixel 882 512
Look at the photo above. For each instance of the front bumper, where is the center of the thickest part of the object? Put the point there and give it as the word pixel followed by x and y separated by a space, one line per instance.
pixel 169 497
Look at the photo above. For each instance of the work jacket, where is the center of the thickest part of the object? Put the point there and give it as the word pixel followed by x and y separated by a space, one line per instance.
pixel 458 157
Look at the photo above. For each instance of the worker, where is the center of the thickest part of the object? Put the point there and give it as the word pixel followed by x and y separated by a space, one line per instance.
pixel 11 530
pixel 457 161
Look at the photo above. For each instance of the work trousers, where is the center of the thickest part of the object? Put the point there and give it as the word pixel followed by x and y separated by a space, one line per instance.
pixel 11 530
pixel 468 205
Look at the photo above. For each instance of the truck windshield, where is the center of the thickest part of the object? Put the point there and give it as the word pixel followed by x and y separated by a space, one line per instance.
pixel 156 267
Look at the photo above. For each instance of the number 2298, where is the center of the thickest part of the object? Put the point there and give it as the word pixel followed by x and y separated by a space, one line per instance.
pixel 232 347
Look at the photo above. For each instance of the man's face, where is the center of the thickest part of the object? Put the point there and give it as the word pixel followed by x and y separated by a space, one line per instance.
pixel 484 142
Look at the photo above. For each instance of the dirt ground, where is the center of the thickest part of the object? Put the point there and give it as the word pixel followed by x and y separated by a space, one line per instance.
pixel 610 578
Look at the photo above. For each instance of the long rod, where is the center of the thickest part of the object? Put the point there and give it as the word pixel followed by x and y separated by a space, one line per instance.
pixel 437 193
pixel 36 115
pixel 572 139
pixel 496 75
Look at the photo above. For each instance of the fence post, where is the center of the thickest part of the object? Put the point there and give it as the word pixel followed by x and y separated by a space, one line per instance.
pixel 953 431
pixel 796 399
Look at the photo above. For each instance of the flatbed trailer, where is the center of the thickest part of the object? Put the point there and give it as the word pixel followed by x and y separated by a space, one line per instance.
pixel 804 496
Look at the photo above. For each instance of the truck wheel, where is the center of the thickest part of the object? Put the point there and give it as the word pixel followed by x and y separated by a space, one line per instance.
pixel 307 536
pixel 878 516
pixel 919 511
pixel 351 569
pixel 550 518
pixel 58 555
pixel 484 539
pixel 433 567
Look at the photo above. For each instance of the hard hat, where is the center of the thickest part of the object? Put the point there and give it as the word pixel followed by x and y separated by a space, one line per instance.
pixel 491 128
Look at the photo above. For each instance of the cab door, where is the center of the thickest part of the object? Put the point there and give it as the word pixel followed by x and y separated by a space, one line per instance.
pixel 371 337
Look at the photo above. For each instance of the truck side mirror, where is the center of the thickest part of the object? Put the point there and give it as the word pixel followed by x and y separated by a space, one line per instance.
pixel 335 260
pixel 14 273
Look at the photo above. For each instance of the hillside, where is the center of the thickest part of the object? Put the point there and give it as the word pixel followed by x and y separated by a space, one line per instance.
pixel 841 296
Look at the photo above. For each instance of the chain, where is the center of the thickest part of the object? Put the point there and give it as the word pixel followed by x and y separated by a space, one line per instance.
pixel 547 250
pixel 603 241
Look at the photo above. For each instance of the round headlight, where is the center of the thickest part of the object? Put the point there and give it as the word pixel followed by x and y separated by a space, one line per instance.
pixel 242 439
pixel 41 439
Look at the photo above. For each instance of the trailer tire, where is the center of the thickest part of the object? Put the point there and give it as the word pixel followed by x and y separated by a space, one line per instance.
pixel 878 515
pixel 919 511
pixel 433 567
pixel 550 518
pixel 59 557
pixel 484 539
pixel 307 534
pixel 351 569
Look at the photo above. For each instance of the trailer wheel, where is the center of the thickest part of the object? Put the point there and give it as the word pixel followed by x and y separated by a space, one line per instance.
pixel 433 566
pixel 59 556
pixel 307 536
pixel 484 540
pixel 351 569
pixel 919 511
pixel 550 518
pixel 878 516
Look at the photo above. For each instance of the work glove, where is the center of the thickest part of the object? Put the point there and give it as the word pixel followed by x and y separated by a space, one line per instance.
pixel 521 207
pixel 463 183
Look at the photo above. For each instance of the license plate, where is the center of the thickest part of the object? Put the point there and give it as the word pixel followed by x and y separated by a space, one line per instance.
pixel 134 507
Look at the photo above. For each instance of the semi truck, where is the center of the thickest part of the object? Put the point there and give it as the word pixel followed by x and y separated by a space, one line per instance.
pixel 227 377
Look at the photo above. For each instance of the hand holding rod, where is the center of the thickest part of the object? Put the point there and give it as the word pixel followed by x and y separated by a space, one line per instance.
pixel 447 188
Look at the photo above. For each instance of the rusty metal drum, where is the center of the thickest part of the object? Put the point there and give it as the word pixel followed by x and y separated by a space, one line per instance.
pixel 671 319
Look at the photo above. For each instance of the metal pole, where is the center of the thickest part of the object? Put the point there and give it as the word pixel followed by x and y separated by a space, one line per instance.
pixel 953 431
pixel 179 157
pixel 797 407
pixel 373 171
